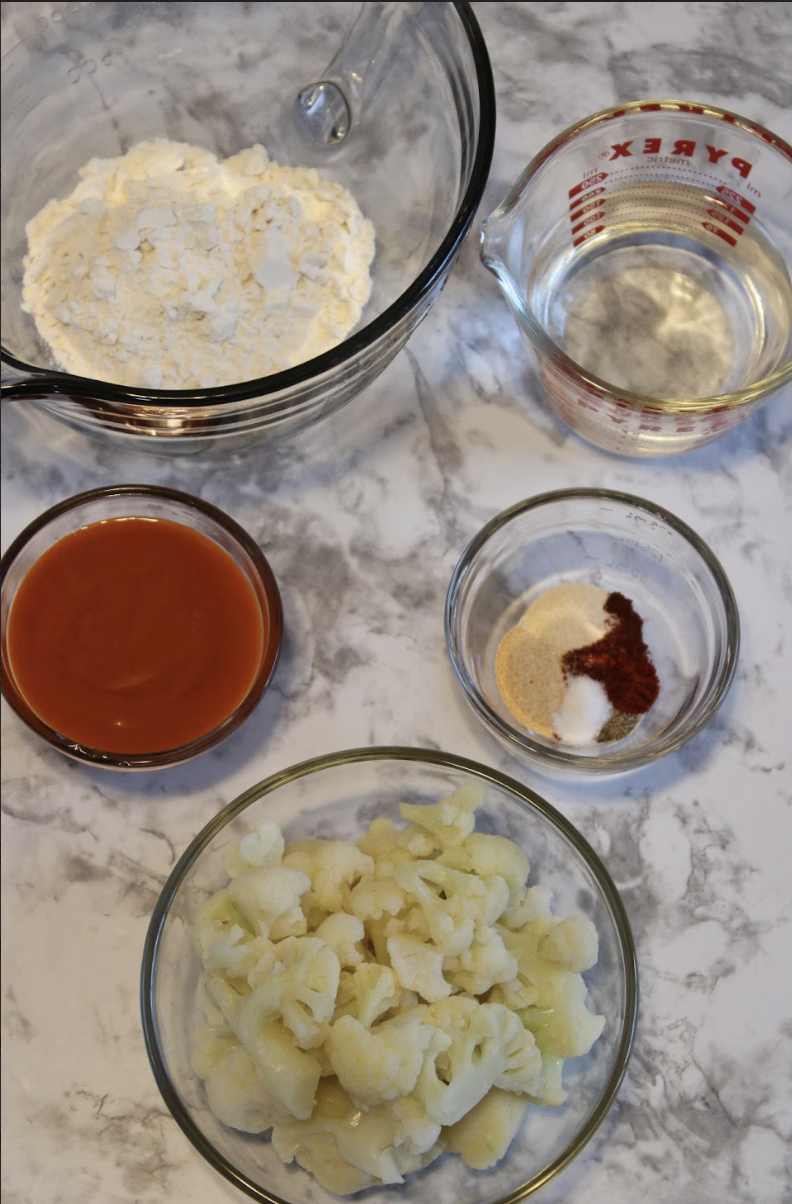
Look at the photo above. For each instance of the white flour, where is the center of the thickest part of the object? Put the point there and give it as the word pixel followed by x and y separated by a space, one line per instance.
pixel 168 268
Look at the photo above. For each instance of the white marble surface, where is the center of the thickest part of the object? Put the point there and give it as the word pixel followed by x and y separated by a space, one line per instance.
pixel 363 519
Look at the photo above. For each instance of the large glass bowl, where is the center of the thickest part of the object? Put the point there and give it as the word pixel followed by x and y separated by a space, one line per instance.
pixel 337 796
pixel 408 86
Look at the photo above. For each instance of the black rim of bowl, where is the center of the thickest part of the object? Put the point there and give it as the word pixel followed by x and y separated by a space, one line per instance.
pixel 82 387
pixel 394 753
pixel 156 760
pixel 614 762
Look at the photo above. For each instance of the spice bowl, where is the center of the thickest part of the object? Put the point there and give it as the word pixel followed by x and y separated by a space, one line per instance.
pixel 592 631
pixel 140 626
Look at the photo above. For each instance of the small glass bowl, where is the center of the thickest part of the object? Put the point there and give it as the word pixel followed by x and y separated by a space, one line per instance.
pixel 336 797
pixel 146 501
pixel 622 544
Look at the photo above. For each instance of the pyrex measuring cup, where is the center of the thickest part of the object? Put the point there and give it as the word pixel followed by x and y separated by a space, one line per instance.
pixel 646 253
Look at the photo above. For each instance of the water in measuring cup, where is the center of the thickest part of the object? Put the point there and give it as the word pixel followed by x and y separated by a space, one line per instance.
pixel 654 304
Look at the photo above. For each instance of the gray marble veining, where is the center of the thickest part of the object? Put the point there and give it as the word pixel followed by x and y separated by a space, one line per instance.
pixel 363 519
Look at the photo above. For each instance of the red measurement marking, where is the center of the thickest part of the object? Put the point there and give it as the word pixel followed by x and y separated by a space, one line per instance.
pixel 733 210
pixel 735 196
pixel 587 197
pixel 726 220
pixel 595 179
pixel 595 217
pixel 589 234
pixel 713 229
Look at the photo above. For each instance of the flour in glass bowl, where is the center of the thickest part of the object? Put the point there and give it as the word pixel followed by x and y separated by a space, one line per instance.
pixel 169 268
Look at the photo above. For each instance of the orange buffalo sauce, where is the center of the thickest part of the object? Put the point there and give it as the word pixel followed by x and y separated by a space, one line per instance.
pixel 135 635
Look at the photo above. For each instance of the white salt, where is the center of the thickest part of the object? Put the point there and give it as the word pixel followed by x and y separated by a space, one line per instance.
pixel 583 713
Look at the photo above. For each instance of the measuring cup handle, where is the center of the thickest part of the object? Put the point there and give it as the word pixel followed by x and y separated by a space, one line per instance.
pixel 325 111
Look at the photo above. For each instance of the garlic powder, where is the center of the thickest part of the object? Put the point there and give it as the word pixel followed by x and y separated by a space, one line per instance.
pixel 170 268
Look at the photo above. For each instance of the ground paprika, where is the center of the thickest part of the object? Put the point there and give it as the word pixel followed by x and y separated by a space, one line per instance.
pixel 620 660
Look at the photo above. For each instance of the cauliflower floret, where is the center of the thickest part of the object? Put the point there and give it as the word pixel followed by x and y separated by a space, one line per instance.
pixel 484 1135
pixel 219 909
pixel 450 821
pixel 384 839
pixel 572 943
pixel 383 1063
pixel 485 962
pixel 489 857
pixel 367 992
pixel 373 898
pixel 531 905
pixel 415 1129
pixel 344 934
pixel 452 902
pixel 269 898
pixel 333 866
pixel 289 1075
pixel 348 1150
pixel 229 949
pixel 489 1047
pixel 263 846
pixel 418 966
pixel 301 984
pixel 234 1091
pixel 570 1029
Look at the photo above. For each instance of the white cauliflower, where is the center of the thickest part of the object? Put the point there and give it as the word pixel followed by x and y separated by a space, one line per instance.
pixel 572 943
pixel 488 1047
pixel 269 899
pixel 485 962
pixel 367 992
pixel 451 902
pixel 373 898
pixel 450 821
pixel 418 966
pixel 348 1149
pixel 344 934
pixel 234 1090
pixel 376 1004
pixel 490 857
pixel 485 1133
pixel 333 867
pixel 382 1063
pixel 391 844
pixel 569 1029
pixel 263 846
pixel 289 1074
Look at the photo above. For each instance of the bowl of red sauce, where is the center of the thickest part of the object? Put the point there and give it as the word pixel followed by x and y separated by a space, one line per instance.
pixel 140 626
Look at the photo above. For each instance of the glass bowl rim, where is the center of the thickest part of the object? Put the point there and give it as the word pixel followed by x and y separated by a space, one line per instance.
pixel 184 503
pixel 549 348
pixel 262 388
pixel 613 762
pixel 523 796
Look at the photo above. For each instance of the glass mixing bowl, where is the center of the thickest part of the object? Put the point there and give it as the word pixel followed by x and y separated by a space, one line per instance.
pixel 336 797
pixel 395 102
pixel 619 543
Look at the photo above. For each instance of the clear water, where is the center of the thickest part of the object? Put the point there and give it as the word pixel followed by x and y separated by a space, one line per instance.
pixel 655 304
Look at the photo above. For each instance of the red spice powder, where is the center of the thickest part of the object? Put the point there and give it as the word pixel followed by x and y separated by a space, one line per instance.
pixel 620 660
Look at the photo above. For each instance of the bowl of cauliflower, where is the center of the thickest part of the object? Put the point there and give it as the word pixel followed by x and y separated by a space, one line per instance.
pixel 392 972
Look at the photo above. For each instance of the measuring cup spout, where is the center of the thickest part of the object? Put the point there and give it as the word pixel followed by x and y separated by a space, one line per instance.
pixel 494 254
pixel 325 111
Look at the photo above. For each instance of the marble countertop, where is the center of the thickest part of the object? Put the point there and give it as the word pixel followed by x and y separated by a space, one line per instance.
pixel 363 519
